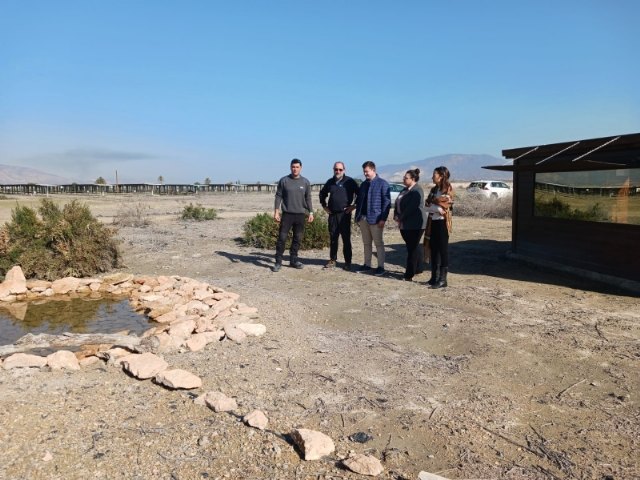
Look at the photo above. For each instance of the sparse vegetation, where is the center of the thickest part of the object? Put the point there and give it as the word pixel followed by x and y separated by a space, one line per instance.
pixel 198 213
pixel 137 215
pixel 480 207
pixel 261 231
pixel 57 242
pixel 556 208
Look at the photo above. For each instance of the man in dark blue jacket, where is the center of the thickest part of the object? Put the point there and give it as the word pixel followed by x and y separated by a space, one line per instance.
pixel 372 210
pixel 341 191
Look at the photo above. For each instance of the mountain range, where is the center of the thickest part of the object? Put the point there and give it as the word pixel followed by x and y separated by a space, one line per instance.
pixel 10 174
pixel 462 167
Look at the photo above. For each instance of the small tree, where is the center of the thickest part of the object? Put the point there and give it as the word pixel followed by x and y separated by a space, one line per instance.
pixel 100 181
pixel 207 181
pixel 160 179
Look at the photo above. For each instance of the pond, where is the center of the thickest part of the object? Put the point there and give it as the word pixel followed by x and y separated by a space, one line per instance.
pixel 75 315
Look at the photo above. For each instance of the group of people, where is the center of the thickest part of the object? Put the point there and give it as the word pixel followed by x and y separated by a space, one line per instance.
pixel 371 201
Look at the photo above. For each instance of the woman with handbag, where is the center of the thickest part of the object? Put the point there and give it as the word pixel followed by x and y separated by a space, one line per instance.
pixel 438 205
pixel 410 213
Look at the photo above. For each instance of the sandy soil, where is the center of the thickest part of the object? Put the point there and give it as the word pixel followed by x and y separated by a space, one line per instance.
pixel 511 372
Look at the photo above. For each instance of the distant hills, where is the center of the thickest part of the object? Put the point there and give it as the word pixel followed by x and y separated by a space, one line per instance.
pixel 10 174
pixel 463 168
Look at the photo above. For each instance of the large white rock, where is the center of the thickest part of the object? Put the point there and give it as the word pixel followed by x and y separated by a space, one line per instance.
pixel 252 329
pixel 65 285
pixel 14 281
pixel 313 445
pixel 63 360
pixel 182 330
pixel 144 366
pixel 256 419
pixel 22 360
pixel 430 476
pixel 219 402
pixel 364 465
pixel 197 342
pixel 178 379
pixel 235 334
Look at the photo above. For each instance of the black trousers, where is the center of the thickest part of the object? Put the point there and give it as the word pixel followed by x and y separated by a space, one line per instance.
pixel 439 243
pixel 287 222
pixel 340 226
pixel 414 249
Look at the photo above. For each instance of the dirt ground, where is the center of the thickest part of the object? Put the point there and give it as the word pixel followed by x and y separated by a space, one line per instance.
pixel 511 372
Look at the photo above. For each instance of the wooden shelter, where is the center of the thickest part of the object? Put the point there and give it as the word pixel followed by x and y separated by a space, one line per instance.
pixel 577 205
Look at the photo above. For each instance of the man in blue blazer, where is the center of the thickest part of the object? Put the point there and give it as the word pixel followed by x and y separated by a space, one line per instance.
pixel 372 210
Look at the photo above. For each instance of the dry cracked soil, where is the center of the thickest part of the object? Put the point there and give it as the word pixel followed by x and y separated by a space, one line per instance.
pixel 512 372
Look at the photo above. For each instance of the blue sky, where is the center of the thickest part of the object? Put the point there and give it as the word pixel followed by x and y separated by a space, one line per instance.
pixel 233 90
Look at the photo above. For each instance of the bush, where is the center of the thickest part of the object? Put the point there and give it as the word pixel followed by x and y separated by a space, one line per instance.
pixel 556 208
pixel 57 242
pixel 198 213
pixel 261 231
pixel 133 215
pixel 481 207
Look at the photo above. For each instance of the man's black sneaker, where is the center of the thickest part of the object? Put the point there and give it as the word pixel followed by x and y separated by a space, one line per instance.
pixel 347 267
pixel 380 271
pixel 276 267
pixel 296 264
pixel 364 269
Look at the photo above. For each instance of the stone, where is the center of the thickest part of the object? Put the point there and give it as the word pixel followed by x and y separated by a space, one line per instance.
pixel 65 285
pixel 117 278
pixel 144 365
pixel 364 465
pixel 223 295
pixel 14 281
pixel 219 402
pixel 182 330
pixel 214 336
pixel 250 312
pixel 113 356
pixel 23 360
pixel 167 317
pixel 221 305
pixel 95 286
pixel 178 379
pixel 86 361
pixel 313 445
pixel 197 342
pixel 63 360
pixel 252 329
pixel 256 419
pixel 235 334
pixel 430 476
pixel 38 285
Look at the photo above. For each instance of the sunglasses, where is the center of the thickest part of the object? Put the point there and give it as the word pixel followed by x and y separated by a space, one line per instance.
pixel 338 169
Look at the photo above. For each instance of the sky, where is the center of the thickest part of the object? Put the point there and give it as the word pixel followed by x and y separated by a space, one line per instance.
pixel 233 90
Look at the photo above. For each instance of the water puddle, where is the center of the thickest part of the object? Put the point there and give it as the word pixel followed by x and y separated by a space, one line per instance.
pixel 76 315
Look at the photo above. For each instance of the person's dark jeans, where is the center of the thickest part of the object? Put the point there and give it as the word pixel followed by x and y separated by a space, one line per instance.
pixel 439 243
pixel 287 222
pixel 340 226
pixel 412 240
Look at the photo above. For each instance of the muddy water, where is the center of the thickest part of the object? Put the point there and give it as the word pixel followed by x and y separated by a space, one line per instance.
pixel 77 315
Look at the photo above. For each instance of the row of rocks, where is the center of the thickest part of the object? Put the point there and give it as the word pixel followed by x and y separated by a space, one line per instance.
pixel 189 315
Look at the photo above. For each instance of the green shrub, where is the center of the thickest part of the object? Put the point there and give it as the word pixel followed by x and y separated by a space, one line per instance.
pixel 198 213
pixel 53 242
pixel 261 231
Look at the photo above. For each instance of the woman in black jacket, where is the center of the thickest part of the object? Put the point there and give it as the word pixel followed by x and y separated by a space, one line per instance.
pixel 411 216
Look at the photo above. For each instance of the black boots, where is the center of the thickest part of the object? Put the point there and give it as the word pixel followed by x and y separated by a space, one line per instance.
pixel 441 282
pixel 434 275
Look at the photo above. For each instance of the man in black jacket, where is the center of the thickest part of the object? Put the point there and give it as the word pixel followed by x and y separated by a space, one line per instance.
pixel 341 191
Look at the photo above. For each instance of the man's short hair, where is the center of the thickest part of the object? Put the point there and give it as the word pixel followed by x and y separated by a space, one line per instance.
pixel 369 164
pixel 295 160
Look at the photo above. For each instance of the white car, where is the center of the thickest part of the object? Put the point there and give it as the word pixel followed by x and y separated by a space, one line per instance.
pixel 394 190
pixel 489 189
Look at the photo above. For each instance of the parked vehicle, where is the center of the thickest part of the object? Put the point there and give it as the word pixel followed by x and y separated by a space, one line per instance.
pixel 489 189
pixel 395 189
